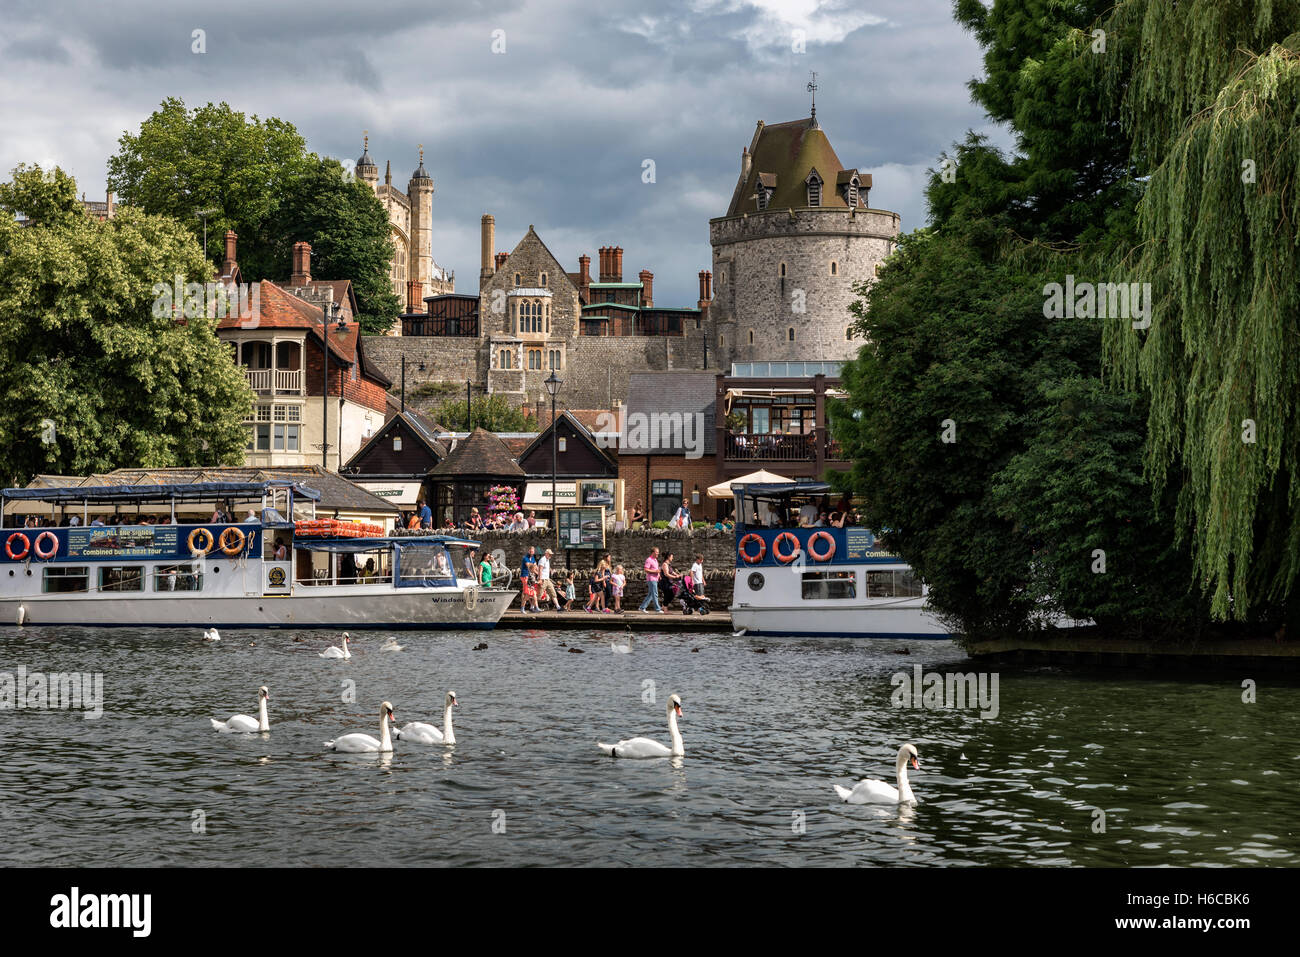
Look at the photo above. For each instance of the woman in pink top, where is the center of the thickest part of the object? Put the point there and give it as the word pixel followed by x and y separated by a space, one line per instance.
pixel 652 581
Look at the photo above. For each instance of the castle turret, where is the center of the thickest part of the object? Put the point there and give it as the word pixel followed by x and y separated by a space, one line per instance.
pixel 366 168
pixel 487 268
pixel 420 191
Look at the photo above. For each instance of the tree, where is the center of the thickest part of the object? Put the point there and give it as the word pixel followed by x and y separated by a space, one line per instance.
pixel 259 180
pixel 492 412
pixel 93 379
pixel 1208 92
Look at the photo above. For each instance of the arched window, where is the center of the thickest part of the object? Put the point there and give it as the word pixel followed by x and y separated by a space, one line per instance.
pixel 542 281
pixel 835 268
pixel 751 337
pixel 782 270
pixel 546 310
pixel 722 342
pixel 848 333
pixel 555 358
pixel 534 358
pixel 519 281
pixel 789 334
pixel 814 189
pixel 507 359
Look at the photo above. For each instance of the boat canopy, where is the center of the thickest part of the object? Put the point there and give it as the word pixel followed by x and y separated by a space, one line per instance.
pixel 781 489
pixel 339 545
pixel 180 492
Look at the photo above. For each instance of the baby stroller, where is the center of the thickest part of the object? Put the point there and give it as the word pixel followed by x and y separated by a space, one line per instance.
pixel 690 602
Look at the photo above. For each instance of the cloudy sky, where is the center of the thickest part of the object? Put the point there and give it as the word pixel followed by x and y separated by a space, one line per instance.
pixel 553 131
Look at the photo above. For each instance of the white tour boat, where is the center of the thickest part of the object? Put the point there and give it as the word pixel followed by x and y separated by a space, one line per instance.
pixel 184 571
pixel 821 581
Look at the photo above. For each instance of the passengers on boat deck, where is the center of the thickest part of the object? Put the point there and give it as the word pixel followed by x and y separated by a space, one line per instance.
pixel 281 552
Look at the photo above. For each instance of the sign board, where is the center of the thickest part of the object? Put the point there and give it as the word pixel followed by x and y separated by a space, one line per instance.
pixel 539 493
pixel 582 527
pixel 122 541
pixel 598 493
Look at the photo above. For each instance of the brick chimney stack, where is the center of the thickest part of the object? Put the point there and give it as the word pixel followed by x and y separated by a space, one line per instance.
pixel 616 263
pixel 489 230
pixel 228 263
pixel 301 264
pixel 603 274
pixel 706 288
pixel 501 259
pixel 584 276
pixel 647 288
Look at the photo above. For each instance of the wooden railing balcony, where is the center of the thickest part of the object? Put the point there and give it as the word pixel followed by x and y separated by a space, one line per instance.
pixel 283 380
pixel 771 448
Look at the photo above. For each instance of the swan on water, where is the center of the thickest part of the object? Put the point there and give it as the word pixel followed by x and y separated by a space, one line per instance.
pixel 648 747
pixel 242 723
pixel 421 733
pixel 391 645
pixel 623 649
pixel 870 791
pixel 333 651
pixel 358 742
pixel 211 635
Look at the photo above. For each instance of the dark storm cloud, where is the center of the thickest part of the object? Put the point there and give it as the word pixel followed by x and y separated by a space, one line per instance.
pixel 552 132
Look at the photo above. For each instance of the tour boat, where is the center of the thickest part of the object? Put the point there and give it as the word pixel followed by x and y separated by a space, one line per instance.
pixel 183 571
pixel 819 581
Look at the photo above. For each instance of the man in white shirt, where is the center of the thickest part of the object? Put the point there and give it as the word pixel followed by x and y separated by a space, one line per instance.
pixel 544 569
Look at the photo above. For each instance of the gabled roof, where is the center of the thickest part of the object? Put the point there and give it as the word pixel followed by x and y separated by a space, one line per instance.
pixel 481 454
pixel 422 428
pixel 782 156
pixel 579 430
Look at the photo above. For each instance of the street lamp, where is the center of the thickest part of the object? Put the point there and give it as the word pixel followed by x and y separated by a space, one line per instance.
pixel 553 384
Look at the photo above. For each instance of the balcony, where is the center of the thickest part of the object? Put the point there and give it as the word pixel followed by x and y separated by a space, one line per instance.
pixel 275 381
pixel 743 447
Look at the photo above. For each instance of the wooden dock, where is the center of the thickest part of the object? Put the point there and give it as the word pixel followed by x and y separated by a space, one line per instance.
pixel 633 620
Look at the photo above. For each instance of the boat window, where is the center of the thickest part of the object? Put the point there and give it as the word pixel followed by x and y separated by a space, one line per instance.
pixel 880 584
pixel 424 565
pixel 907 585
pixel 184 577
pixel 121 578
pixel 66 579
pixel 830 585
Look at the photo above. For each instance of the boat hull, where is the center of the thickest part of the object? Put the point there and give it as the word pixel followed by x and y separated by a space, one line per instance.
pixel 341 607
pixel 911 621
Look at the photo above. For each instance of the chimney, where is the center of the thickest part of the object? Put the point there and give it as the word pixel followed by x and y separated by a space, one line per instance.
pixel 489 244
pixel 647 288
pixel 228 263
pixel 706 287
pixel 602 274
pixel 501 259
pixel 110 205
pixel 414 295
pixel 746 162
pixel 616 263
pixel 584 276
pixel 301 264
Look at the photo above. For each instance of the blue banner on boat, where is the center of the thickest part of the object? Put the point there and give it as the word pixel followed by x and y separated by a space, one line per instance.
pixel 122 541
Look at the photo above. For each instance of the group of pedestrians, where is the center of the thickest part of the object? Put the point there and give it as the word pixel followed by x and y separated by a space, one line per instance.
pixel 546 588
pixel 662 576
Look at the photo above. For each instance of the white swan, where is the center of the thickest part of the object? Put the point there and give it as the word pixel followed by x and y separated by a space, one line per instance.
pixel 421 733
pixel 648 747
pixel 335 652
pixel 878 792
pixel 211 635
pixel 623 649
pixel 242 723
pixel 358 742
pixel 391 645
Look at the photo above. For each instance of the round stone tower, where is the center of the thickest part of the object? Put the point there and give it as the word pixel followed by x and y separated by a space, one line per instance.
pixel 420 192
pixel 798 236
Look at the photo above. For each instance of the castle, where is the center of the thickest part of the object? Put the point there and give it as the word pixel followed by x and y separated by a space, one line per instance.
pixel 410 214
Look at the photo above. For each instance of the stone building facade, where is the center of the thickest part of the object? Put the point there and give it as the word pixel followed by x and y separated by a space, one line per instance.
pixel 415 274
pixel 797 237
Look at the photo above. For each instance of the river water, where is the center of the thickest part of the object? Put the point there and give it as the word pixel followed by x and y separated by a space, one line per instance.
pixel 1185 772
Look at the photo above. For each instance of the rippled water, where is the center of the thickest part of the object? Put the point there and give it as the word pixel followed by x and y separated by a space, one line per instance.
pixel 1186 773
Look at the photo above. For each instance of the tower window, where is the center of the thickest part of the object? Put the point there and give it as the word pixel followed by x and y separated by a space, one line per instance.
pixel 789 334
pixel 835 268
pixel 542 280
pixel 507 358
pixel 848 333
pixel 519 280
pixel 781 270
pixel 814 189
pixel 751 337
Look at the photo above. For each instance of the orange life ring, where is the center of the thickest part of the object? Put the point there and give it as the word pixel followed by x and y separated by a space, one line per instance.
pixel 9 546
pixel 762 549
pixel 53 548
pixel 235 547
pixel 785 558
pixel 821 556
pixel 207 537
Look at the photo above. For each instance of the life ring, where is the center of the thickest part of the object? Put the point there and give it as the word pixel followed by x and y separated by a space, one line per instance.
pixel 830 549
pixel 762 549
pixel 53 548
pixel 785 558
pixel 235 547
pixel 207 537
pixel 9 546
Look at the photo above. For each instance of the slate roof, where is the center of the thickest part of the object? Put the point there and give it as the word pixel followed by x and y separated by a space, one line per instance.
pixel 687 393
pixel 783 155
pixel 481 454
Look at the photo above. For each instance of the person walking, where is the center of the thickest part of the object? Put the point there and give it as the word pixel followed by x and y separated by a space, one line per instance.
pixel 697 575
pixel 670 577
pixel 682 519
pixel 426 515
pixel 526 566
pixel 544 572
pixel 652 582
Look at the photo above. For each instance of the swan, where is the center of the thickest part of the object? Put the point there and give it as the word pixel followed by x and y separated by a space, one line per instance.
pixel 391 645
pixel 623 649
pixel 364 742
pixel 648 747
pixel 335 652
pixel 422 733
pixel 878 792
pixel 242 723
pixel 211 635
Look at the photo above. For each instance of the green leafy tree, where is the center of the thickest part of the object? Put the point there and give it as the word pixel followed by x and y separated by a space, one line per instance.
pixel 258 179
pixel 492 412
pixel 94 379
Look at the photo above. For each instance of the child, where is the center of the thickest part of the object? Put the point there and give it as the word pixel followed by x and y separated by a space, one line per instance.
pixel 697 575
pixel 618 579
pixel 530 593
pixel 595 591
pixel 569 596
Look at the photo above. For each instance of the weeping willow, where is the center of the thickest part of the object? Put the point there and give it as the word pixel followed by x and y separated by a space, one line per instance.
pixel 1209 92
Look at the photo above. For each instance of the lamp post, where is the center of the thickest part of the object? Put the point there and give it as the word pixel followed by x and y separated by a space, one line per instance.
pixel 329 311
pixel 553 384
pixel 203 214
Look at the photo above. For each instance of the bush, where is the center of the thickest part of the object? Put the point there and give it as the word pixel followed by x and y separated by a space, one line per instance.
pixel 663 524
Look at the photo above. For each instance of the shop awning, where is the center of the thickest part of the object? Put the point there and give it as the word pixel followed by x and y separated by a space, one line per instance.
pixel 401 494
pixel 539 494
